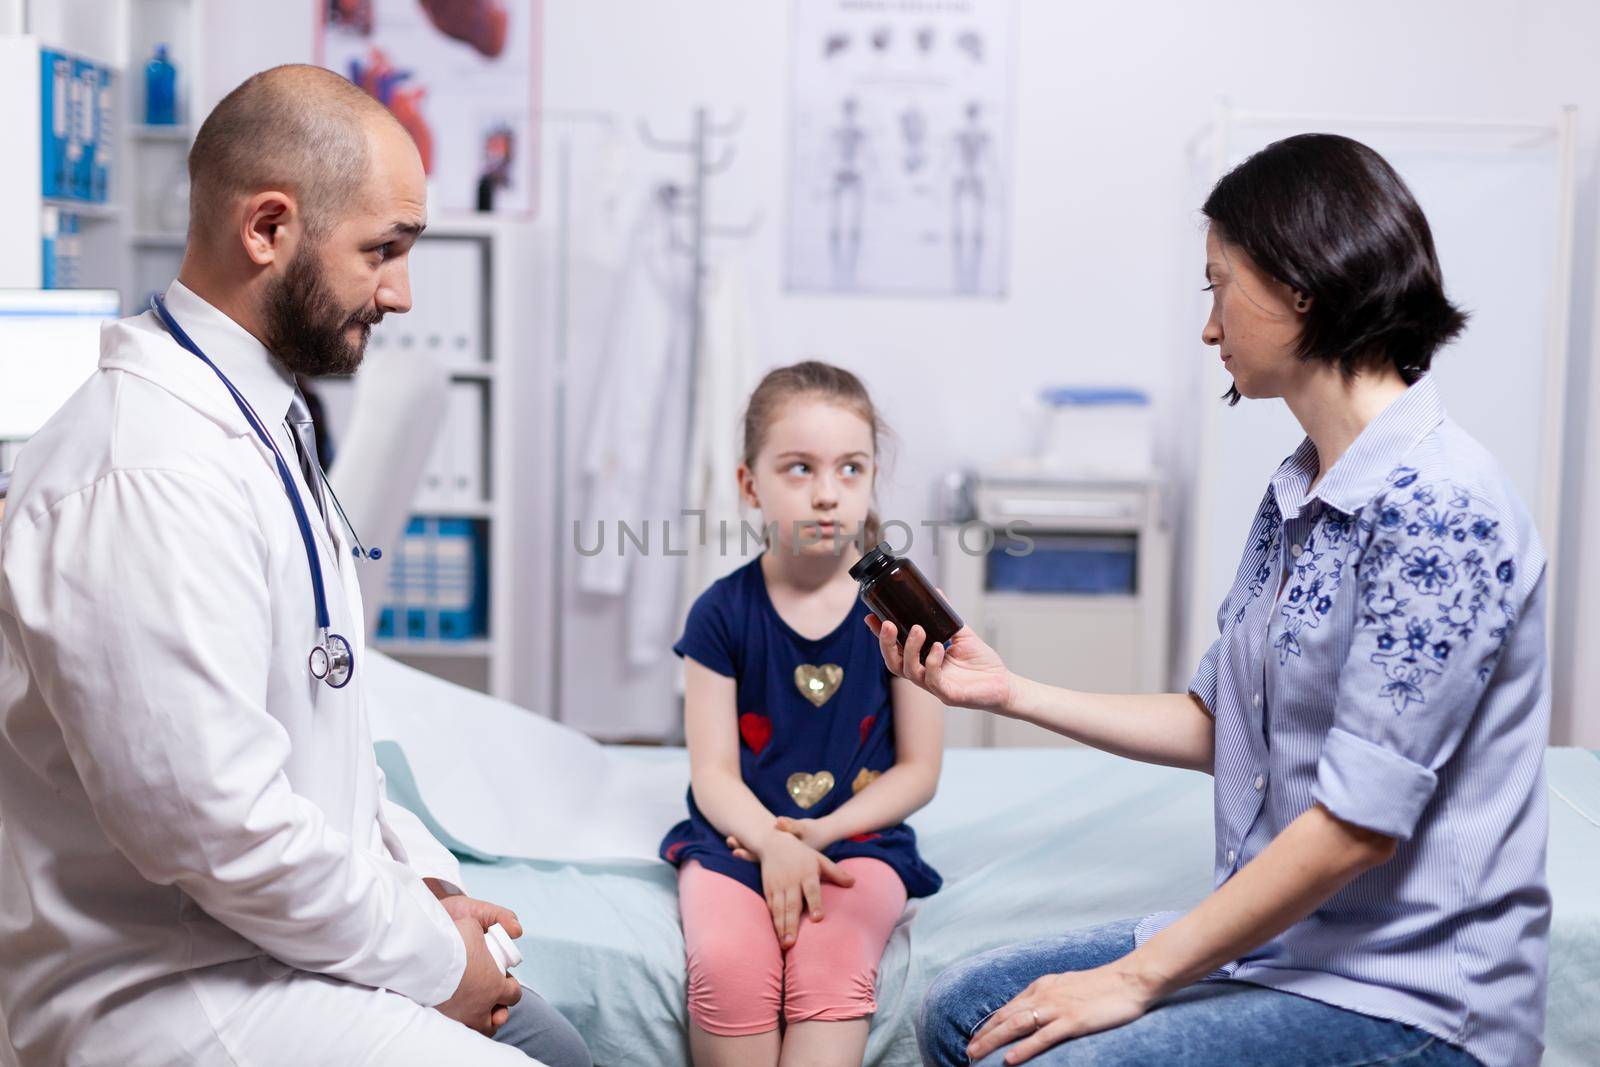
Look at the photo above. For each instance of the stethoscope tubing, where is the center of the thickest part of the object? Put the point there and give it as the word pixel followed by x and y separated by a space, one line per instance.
pixel 302 518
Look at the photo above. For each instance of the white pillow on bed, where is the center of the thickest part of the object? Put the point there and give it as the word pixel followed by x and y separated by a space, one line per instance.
pixel 495 781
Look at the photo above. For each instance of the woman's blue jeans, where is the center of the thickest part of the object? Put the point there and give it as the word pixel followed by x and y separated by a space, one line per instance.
pixel 1210 1024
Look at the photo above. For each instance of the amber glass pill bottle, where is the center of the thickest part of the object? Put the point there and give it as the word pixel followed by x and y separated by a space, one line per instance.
pixel 896 591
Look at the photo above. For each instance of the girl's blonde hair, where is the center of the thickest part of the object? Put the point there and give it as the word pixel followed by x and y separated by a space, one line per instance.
pixel 824 381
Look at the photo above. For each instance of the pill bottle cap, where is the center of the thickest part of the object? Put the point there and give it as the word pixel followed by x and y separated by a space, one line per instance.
pixel 876 559
pixel 501 947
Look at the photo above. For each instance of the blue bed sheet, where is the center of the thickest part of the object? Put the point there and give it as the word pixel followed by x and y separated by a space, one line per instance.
pixel 1032 842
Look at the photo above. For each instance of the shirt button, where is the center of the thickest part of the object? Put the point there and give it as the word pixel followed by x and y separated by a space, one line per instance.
pixel 1256 700
pixel 1295 550
pixel 1232 855
pixel 1261 782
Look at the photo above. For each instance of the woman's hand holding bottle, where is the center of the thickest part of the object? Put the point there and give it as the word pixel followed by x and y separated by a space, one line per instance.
pixel 966 674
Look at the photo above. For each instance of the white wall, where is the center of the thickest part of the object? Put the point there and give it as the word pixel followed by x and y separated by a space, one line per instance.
pixel 94 29
pixel 1105 239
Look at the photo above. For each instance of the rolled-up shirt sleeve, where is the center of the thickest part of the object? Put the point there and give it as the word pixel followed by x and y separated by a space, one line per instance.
pixel 1203 684
pixel 1439 591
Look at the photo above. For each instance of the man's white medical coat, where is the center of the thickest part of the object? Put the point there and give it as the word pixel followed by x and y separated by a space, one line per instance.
pixel 187 814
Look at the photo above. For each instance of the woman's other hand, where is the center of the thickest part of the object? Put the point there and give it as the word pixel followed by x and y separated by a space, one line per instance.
pixel 1059 1007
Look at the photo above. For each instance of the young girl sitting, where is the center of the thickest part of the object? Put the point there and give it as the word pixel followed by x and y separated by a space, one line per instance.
pixel 805 753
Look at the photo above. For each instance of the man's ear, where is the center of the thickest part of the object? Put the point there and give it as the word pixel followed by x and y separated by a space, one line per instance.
pixel 267 225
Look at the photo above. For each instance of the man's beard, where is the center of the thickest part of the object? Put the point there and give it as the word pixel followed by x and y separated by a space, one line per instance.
pixel 306 326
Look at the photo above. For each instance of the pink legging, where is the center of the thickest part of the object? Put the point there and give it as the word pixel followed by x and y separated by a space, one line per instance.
pixel 740 978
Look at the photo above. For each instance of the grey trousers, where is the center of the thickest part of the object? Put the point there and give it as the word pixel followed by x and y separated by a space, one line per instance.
pixel 542 1033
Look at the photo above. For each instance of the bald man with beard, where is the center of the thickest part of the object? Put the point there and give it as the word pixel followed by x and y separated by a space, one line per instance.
pixel 198 863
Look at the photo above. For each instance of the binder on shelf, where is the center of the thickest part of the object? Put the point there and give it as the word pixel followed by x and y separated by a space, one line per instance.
pixel 470 445
pixel 78 117
pixel 56 123
pixel 456 471
pixel 432 489
pixel 447 319
pixel 62 248
pixel 461 592
pixel 49 226
pixel 439 584
pixel 451 326
pixel 105 143
pixel 84 83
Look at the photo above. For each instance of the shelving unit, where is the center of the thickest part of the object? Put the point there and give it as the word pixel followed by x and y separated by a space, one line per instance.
pixel 466 308
pixel 128 243
pixel 24 209
pixel 82 209
pixel 156 156
pixel 467 267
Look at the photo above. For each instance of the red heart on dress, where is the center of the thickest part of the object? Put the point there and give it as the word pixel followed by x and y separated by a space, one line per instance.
pixel 864 838
pixel 866 727
pixel 756 729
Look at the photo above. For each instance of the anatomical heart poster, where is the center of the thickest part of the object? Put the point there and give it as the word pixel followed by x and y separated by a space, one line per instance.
pixel 462 78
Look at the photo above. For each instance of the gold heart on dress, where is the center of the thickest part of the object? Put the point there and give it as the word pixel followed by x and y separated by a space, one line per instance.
pixel 864 779
pixel 807 789
pixel 818 684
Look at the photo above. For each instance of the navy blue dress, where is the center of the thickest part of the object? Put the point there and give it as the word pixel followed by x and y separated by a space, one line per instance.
pixel 816 725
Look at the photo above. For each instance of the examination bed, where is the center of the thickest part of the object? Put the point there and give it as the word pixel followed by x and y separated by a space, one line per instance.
pixel 1031 842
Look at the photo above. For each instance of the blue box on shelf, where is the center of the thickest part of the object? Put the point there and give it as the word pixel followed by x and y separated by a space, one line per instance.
pixel 55 122
pixel 438 586
pixel 77 125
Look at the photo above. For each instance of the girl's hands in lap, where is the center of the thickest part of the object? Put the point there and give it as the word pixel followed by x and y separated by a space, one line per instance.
pixel 1065 1006
pixel 791 878
pixel 812 833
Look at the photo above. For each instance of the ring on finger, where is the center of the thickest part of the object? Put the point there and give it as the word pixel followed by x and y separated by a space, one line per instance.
pixel 1035 1013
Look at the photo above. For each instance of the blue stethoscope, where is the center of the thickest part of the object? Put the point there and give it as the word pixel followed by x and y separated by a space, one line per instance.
pixel 331 660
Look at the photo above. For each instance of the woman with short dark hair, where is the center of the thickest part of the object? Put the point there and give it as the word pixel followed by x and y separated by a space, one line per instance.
pixel 1374 710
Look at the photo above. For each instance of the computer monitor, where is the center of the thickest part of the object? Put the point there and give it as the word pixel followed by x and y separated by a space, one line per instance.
pixel 49 345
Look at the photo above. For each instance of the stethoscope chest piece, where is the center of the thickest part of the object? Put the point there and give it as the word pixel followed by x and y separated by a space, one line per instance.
pixel 332 661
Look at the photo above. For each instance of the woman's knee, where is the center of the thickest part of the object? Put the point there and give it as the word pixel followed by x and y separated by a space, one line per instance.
pixel 951 1010
pixel 968 992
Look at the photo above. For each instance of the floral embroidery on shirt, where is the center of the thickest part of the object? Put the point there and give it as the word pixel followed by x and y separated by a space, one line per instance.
pixel 1433 577
pixel 1266 547
pixel 1337 528
pixel 1317 572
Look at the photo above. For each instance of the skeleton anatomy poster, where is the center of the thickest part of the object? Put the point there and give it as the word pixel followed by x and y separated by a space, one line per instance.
pixel 900 146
